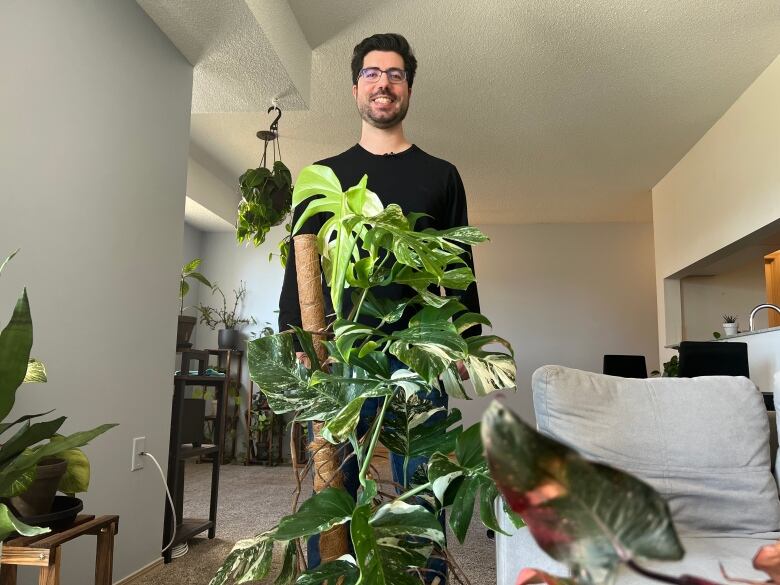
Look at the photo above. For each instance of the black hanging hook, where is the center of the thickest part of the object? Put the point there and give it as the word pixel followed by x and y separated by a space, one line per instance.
pixel 275 123
pixel 273 132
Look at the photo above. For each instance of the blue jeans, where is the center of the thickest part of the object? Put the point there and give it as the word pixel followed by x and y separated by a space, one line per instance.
pixel 437 567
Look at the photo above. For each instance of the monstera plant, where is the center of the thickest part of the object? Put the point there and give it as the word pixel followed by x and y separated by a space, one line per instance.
pixel 29 442
pixel 394 529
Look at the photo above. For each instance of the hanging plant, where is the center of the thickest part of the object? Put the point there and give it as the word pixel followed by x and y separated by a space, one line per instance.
pixel 266 199
pixel 266 195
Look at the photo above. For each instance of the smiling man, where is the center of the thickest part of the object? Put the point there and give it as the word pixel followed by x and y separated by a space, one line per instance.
pixel 383 70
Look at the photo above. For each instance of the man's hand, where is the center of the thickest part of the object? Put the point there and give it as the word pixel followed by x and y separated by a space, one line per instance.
pixel 462 371
pixel 304 359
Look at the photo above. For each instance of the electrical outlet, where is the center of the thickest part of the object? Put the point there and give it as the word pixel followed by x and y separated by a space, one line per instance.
pixel 139 446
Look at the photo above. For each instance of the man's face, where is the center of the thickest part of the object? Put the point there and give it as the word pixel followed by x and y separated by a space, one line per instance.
pixel 382 104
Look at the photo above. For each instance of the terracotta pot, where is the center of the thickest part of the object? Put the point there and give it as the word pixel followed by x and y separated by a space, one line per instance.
pixel 39 497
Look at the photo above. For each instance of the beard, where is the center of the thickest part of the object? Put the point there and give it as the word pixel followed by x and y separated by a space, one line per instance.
pixel 383 120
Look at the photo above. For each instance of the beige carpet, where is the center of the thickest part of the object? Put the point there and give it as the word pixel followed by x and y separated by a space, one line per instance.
pixel 253 499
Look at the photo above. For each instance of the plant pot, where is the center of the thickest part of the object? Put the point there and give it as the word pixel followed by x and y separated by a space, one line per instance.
pixel 228 338
pixel 281 199
pixel 39 497
pixel 730 328
pixel 184 331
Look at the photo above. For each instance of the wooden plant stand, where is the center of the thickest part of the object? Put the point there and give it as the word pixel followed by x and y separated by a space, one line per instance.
pixel 43 551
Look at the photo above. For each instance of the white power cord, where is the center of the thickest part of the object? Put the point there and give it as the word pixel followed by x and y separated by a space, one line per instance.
pixel 181 549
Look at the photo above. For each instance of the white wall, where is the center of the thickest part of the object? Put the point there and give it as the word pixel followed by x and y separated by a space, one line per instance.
pixel 562 294
pixel 706 298
pixel 726 187
pixel 567 294
pixel 95 111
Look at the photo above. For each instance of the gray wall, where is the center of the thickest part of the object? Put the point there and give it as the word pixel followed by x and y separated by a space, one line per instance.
pixel 561 293
pixel 94 111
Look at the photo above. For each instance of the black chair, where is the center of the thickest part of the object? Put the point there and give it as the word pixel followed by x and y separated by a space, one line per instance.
pixel 625 366
pixel 713 358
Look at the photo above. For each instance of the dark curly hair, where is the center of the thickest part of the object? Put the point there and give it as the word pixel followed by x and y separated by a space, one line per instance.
pixel 384 42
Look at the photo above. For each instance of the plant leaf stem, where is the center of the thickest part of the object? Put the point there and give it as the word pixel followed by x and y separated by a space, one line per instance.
pixel 374 440
pixel 414 491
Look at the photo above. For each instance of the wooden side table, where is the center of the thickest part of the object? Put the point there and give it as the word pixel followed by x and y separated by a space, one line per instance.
pixel 43 551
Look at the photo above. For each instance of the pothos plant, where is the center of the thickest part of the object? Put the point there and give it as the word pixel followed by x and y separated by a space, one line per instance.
pixel 364 245
pixel 266 197
pixel 30 442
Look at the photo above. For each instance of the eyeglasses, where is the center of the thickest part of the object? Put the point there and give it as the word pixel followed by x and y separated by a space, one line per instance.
pixel 372 74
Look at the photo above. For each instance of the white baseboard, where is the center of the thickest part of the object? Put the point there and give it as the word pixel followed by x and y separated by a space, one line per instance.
pixel 140 572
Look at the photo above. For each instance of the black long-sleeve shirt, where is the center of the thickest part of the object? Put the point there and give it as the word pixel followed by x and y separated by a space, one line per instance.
pixel 417 182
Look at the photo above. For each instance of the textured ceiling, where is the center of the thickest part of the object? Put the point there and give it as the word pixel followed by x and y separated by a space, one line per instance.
pixel 236 68
pixel 554 111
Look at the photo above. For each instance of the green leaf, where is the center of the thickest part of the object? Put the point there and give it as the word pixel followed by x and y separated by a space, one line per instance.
pixel 29 435
pixel 583 514
pixel 488 493
pixel 452 383
pixel 455 483
pixel 463 507
pixel 306 341
pixel 375 569
pixel 338 429
pixel 36 372
pixel 399 518
pixel 200 278
pixel 190 267
pixel 464 234
pixel 468 449
pixel 9 524
pixel 5 426
pixel 369 492
pixel 274 368
pixel 384 309
pixel 428 348
pixel 8 259
pixel 249 560
pixel 441 473
pixel 15 344
pixel 468 320
pixel 21 483
pixel 289 569
pixel 28 459
pixel 409 432
pixel 76 478
pixel 321 512
pixel 489 370
pixel 457 278
pixel 344 568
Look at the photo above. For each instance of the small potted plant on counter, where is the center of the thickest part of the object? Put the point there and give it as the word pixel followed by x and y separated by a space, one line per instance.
pixel 730 325
pixel 229 336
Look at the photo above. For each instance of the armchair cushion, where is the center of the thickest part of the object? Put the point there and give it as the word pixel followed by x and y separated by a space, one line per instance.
pixel 703 443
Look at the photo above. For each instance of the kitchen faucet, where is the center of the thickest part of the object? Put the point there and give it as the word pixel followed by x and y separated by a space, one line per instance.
pixel 758 308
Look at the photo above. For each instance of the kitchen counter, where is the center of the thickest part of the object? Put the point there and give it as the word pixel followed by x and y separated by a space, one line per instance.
pixel 730 337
